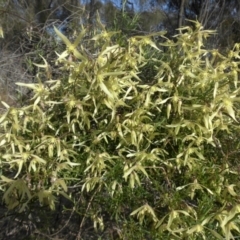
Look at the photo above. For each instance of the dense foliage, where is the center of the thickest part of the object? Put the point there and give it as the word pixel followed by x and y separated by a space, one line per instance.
pixel 143 134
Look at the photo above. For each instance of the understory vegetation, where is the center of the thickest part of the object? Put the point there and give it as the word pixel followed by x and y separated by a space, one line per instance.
pixel 136 136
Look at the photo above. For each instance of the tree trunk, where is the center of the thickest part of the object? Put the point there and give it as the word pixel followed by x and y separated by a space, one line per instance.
pixel 181 14
pixel 91 12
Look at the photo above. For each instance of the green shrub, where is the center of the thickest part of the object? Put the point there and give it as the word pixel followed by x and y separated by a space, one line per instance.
pixel 153 151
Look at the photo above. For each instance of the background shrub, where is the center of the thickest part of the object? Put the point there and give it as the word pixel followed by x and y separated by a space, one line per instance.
pixel 142 135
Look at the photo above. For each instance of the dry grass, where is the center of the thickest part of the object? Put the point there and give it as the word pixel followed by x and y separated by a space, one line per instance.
pixel 12 71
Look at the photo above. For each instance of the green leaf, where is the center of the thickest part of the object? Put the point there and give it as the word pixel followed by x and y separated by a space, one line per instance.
pixel 105 89
pixel 5 179
pixel 79 38
pixel 33 86
pixel 128 171
pixel 197 228
pixel 6 106
pixel 45 65
pixel 173 215
pixel 169 106
pixel 1 32
pixel 62 183
pixel 38 159
pixel 231 112
pixel 215 89
pixel 20 165
pixel 230 189
pixel 215 234
pixel 141 168
pixel 64 38
pixel 227 102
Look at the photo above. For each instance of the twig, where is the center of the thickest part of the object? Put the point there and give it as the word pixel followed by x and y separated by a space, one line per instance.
pixel 84 218
pixel 49 236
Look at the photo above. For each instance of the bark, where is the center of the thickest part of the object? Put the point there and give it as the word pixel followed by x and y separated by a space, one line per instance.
pixel 181 14
pixel 91 12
